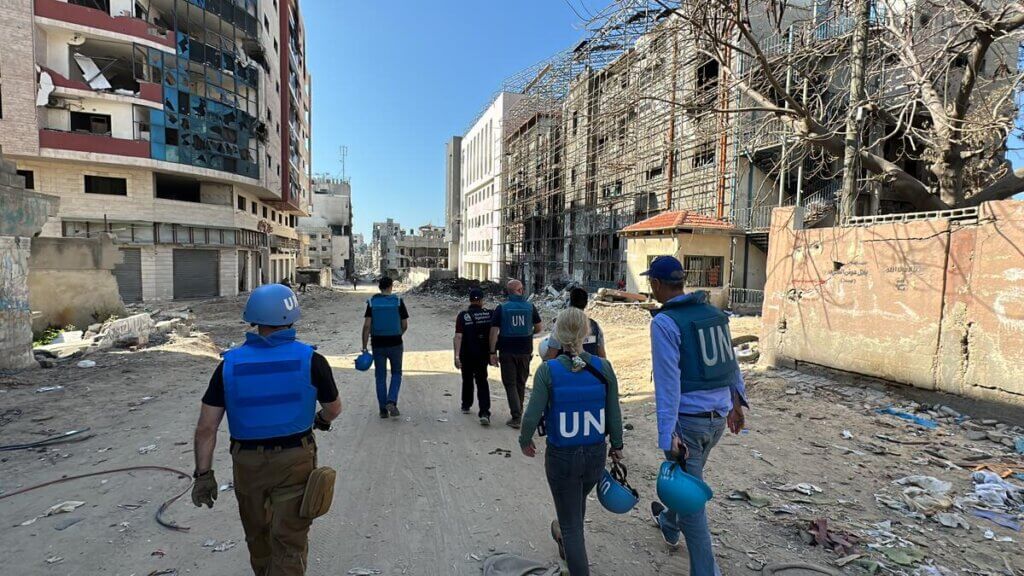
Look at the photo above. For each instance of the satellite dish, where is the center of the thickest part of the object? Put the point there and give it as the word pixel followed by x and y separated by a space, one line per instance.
pixel 77 40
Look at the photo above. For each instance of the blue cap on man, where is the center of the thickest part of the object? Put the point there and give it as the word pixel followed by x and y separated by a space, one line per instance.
pixel 666 268
pixel 272 305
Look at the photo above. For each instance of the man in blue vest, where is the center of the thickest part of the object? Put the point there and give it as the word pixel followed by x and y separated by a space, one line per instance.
pixel 269 387
pixel 513 325
pixel 385 321
pixel 698 390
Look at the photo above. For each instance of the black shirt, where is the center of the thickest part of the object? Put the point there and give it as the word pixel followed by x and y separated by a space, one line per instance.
pixel 321 376
pixel 516 344
pixel 385 341
pixel 474 324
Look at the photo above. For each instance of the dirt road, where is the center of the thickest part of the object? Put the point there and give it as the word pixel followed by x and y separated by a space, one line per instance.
pixel 433 492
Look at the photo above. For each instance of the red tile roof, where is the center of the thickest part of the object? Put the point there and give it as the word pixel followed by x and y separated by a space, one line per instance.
pixel 679 219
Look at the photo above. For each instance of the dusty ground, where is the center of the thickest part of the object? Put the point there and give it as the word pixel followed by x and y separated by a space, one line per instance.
pixel 429 495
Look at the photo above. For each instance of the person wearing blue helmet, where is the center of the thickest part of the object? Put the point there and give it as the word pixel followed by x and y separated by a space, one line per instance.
pixel 269 387
pixel 698 391
pixel 384 322
pixel 577 397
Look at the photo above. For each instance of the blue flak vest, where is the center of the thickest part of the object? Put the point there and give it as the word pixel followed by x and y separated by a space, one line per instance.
pixel 590 342
pixel 268 390
pixel 707 360
pixel 384 317
pixel 575 415
pixel 516 317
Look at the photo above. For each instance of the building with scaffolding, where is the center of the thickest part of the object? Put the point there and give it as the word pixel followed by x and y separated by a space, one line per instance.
pixel 181 126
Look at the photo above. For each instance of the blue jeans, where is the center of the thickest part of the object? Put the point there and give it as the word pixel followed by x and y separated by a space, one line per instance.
pixel 699 435
pixel 381 356
pixel 572 474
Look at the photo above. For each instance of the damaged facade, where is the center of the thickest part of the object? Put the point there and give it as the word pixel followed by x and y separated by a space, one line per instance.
pixel 329 227
pixel 395 251
pixel 179 126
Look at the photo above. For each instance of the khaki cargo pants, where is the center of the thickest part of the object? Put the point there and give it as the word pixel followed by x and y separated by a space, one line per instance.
pixel 269 486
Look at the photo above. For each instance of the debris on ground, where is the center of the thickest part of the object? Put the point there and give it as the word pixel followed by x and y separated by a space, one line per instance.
pixel 838 542
pixel 457 289
pixel 216 546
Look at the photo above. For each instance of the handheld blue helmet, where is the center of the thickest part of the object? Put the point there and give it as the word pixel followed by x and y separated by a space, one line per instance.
pixel 614 493
pixel 683 493
pixel 364 361
pixel 272 305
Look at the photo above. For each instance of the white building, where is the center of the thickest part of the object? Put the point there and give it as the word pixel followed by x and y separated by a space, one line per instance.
pixel 329 228
pixel 482 151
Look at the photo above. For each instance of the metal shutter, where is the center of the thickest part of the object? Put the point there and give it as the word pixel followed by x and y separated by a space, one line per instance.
pixel 196 273
pixel 129 275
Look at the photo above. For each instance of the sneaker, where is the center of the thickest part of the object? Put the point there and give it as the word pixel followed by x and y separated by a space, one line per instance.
pixel 656 509
pixel 485 420
pixel 556 533
pixel 465 410
pixel 393 410
pixel 514 423
pixel 383 413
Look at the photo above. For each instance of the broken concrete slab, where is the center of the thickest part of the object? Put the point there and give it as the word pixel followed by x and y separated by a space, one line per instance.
pixel 140 325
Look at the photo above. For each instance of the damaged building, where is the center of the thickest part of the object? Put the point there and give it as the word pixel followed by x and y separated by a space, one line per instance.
pixel 179 126
pixel 329 227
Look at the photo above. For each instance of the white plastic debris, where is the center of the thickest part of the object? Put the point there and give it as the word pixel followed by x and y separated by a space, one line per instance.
pixel 147 449
pixel 87 364
pixel 66 506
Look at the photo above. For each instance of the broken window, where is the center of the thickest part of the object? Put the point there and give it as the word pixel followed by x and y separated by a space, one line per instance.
pixel 106 185
pixel 30 179
pixel 177 188
pixel 91 123
pixel 707 76
pixel 704 155
pixel 241 202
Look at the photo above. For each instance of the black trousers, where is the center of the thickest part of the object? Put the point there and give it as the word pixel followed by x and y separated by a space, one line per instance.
pixel 474 371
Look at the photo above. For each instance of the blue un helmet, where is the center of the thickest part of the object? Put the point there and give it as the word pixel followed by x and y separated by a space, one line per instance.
pixel 683 493
pixel 614 493
pixel 364 361
pixel 272 305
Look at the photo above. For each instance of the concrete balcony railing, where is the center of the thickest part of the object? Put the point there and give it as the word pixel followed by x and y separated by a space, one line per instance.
pixel 64 11
pixel 92 143
pixel 147 90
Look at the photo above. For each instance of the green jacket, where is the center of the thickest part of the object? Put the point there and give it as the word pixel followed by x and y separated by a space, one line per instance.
pixel 542 390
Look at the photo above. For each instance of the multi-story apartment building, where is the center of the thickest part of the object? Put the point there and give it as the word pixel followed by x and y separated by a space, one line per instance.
pixel 426 249
pixel 329 227
pixel 453 199
pixel 181 126
pixel 384 247
pixel 481 189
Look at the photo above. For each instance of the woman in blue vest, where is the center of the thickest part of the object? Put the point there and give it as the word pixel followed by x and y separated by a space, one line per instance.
pixel 577 396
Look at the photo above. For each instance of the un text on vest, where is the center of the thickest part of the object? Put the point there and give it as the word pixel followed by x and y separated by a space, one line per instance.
pixel 589 422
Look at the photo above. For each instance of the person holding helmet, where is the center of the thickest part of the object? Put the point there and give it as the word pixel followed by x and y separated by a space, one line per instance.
pixel 385 321
pixel 594 344
pixel 577 396
pixel 698 390
pixel 269 387
pixel 513 325
pixel 472 327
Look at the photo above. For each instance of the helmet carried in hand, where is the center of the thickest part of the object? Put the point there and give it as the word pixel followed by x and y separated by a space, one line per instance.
pixel 614 493
pixel 682 493
pixel 272 305
pixel 364 361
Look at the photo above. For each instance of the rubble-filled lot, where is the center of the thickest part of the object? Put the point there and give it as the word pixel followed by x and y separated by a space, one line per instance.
pixel 844 473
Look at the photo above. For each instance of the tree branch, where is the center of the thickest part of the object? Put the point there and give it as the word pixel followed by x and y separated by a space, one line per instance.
pixel 1008 185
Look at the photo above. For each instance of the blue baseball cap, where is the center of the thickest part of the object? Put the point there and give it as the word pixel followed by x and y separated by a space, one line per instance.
pixel 665 268
pixel 476 294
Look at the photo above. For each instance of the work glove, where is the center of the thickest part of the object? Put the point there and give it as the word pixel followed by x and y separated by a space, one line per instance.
pixel 321 423
pixel 205 489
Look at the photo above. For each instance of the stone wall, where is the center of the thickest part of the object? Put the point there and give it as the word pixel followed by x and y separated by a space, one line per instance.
pixel 937 303
pixel 70 281
pixel 417 276
pixel 22 215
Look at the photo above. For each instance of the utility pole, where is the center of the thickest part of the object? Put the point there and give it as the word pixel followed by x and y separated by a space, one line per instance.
pixel 851 155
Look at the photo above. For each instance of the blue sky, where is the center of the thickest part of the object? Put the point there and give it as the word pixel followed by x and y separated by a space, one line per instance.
pixel 393 81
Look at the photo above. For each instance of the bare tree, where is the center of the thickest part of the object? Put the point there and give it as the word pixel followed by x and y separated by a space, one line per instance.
pixel 941 81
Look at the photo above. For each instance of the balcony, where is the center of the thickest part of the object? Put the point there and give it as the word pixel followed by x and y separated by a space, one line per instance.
pixel 67 12
pixel 92 143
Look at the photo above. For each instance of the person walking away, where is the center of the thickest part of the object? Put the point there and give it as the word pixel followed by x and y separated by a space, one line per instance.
pixel 384 323
pixel 699 391
pixel 472 329
pixel 513 325
pixel 593 344
pixel 355 282
pixel 577 395
pixel 269 387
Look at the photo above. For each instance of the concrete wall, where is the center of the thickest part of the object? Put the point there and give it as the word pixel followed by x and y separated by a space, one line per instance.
pixel 417 276
pixel 936 304
pixel 70 281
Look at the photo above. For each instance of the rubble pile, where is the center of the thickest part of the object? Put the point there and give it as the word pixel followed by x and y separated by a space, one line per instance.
pixel 456 289
pixel 133 332
pixel 620 315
